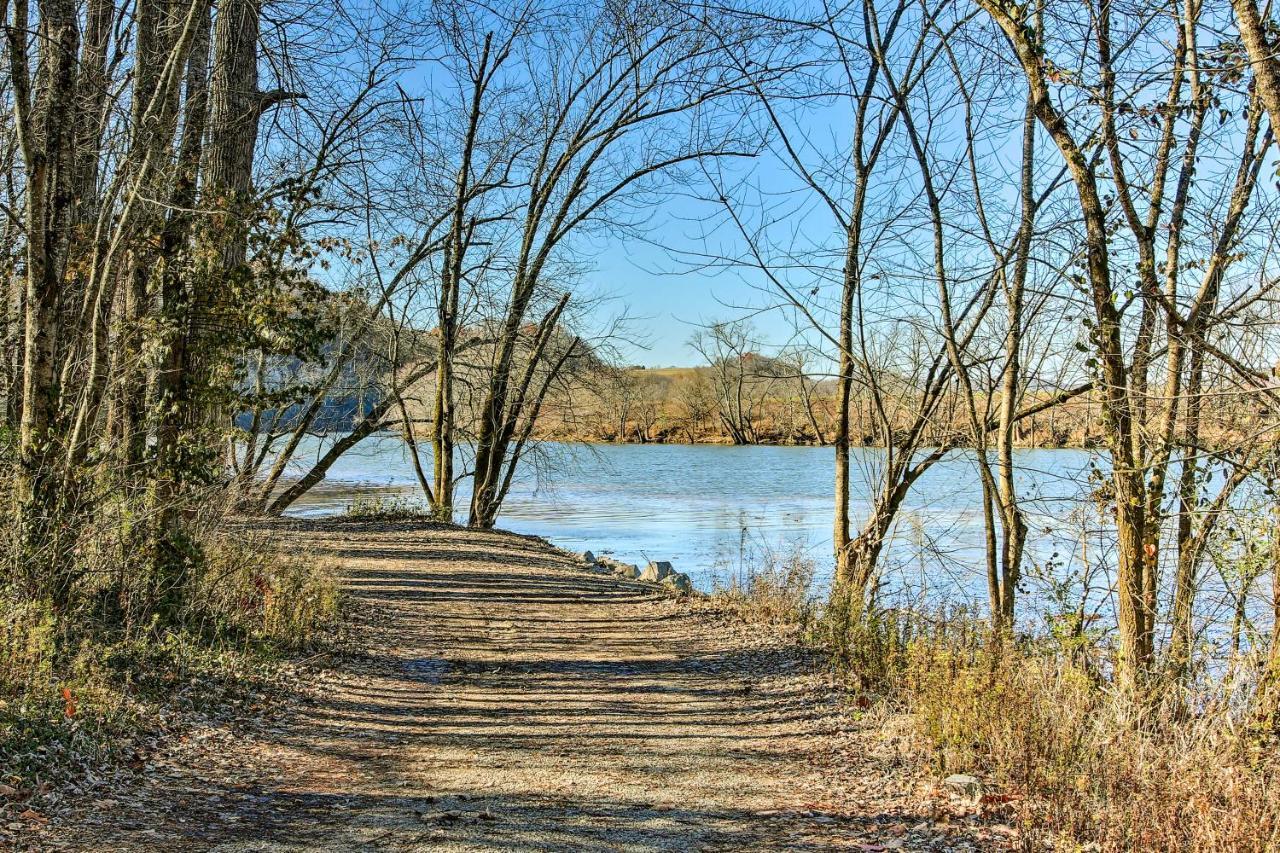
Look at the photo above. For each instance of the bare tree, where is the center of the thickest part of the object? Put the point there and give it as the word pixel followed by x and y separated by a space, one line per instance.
pixel 741 377
pixel 904 378
pixel 619 107
pixel 1149 165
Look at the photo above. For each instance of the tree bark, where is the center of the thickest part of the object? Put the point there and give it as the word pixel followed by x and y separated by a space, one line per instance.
pixel 1262 55
pixel 1128 482
pixel 45 121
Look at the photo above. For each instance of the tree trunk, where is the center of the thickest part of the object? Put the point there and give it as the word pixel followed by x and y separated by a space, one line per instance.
pixel 500 417
pixel 1135 624
pixel 46 130
pixel 1262 56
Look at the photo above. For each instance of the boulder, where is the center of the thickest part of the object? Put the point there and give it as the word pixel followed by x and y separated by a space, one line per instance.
pixel 588 557
pixel 656 572
pixel 626 570
pixel 678 581
pixel 964 785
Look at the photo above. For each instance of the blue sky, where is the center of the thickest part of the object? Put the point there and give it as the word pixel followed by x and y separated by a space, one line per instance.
pixel 667 301
pixel 650 274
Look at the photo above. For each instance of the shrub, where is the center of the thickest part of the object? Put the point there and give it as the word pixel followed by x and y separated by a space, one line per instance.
pixel 243 590
pixel 874 651
pixel 779 594
pixel 27 644
pixel 77 687
pixel 1079 764
pixel 379 507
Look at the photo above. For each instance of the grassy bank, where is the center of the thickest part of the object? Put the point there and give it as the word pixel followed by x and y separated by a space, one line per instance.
pixel 1036 721
pixel 1075 763
pixel 87 688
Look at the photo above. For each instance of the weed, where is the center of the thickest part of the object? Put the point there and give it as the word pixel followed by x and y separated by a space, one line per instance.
pixel 379 507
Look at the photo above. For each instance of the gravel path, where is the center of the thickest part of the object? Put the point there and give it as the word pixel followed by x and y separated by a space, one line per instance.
pixel 514 700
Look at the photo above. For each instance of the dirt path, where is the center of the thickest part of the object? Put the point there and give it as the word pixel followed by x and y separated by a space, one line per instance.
pixel 517 701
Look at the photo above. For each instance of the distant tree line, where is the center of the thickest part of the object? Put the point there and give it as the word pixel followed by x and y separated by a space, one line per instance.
pixel 745 396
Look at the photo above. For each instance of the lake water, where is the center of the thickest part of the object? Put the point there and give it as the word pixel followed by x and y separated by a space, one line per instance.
pixel 721 512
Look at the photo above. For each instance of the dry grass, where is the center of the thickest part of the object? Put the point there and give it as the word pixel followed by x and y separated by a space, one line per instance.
pixel 80 686
pixel 1072 764
pixel 1078 765
pixel 246 589
pixel 779 594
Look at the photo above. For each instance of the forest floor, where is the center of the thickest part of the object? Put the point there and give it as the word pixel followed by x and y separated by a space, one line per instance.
pixel 510 698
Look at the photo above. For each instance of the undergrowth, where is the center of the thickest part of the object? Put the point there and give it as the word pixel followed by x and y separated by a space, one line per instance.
pixel 85 686
pixel 388 508
pixel 778 594
pixel 1072 764
pixel 1077 762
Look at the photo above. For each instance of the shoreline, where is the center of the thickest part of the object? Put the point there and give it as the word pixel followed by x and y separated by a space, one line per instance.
pixel 729 444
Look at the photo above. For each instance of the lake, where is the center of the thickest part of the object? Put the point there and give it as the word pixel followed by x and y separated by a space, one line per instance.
pixel 719 513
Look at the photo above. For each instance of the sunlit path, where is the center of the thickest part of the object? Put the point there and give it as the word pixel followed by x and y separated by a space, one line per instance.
pixel 514 700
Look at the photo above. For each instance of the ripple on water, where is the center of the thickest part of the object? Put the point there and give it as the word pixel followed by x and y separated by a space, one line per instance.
pixel 723 511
